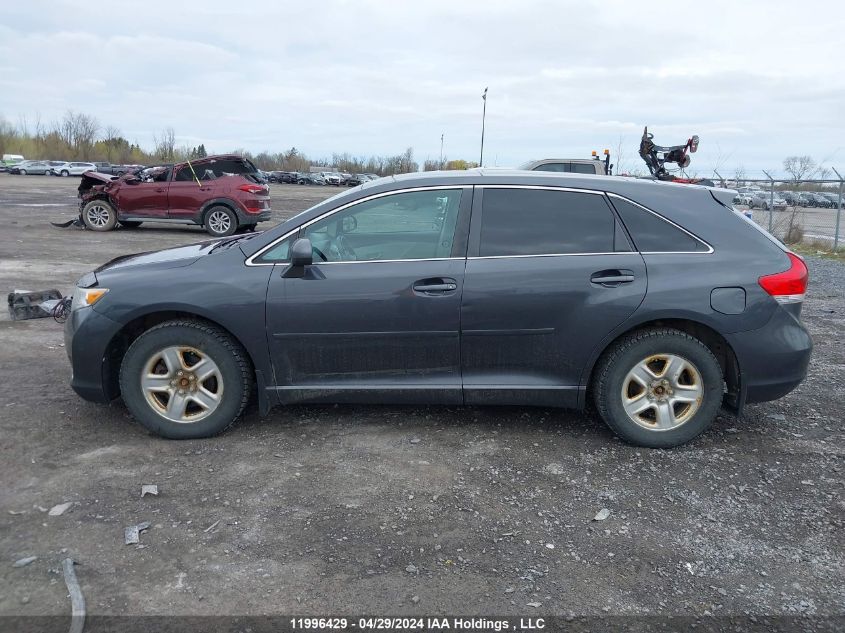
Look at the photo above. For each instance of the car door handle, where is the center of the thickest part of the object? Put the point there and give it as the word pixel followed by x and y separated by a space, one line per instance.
pixel 435 286
pixel 612 278
pixel 159 189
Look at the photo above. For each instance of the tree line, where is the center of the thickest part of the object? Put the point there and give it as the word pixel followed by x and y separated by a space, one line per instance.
pixel 78 136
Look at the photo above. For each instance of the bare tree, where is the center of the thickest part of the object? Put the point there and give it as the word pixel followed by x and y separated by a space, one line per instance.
pixel 799 167
pixel 165 145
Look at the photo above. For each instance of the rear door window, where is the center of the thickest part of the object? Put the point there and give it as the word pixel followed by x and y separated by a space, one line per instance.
pixel 544 222
pixel 654 234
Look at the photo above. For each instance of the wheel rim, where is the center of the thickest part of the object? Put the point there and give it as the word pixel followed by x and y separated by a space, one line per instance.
pixel 219 221
pixel 662 392
pixel 182 384
pixel 98 216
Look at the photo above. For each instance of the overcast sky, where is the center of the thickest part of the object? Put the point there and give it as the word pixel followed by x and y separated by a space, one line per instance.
pixel 756 80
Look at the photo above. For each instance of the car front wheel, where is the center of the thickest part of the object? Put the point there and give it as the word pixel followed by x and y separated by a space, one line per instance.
pixel 658 388
pixel 99 215
pixel 220 221
pixel 65 173
pixel 185 379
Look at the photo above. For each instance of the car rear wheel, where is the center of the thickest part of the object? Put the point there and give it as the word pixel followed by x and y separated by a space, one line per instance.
pixel 185 379
pixel 220 221
pixel 99 215
pixel 23 172
pixel 658 388
pixel 65 173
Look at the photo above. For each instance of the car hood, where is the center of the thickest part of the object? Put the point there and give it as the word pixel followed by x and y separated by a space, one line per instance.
pixel 177 257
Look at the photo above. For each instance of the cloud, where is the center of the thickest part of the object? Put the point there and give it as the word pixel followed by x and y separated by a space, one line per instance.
pixel 374 76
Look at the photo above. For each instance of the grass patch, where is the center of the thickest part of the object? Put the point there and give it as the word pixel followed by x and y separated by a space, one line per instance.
pixel 820 250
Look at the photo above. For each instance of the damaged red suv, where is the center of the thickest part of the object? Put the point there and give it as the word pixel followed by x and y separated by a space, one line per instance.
pixel 223 194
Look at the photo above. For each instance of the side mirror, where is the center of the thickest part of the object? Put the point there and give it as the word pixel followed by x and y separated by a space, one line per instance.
pixel 301 255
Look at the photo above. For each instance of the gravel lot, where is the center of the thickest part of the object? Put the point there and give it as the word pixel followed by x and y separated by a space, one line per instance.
pixel 389 510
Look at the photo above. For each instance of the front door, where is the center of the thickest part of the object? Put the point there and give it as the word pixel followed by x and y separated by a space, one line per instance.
pixel 188 192
pixel 146 197
pixel 550 274
pixel 377 316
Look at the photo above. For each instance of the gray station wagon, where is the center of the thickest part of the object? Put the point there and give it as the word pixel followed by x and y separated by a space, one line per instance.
pixel 656 302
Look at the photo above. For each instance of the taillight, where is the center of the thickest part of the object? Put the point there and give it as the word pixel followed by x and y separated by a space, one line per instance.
pixel 255 189
pixel 790 285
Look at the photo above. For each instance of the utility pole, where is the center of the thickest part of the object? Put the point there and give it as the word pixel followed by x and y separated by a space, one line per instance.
pixel 483 120
pixel 441 151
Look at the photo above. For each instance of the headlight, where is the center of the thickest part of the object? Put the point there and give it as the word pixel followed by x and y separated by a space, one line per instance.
pixel 87 297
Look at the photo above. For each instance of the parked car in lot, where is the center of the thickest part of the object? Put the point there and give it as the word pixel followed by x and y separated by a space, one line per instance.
pixel 31 167
pixel 764 201
pixel 743 199
pixel 332 178
pixel 833 198
pixel 223 194
pixel 818 200
pixel 656 301
pixel 72 168
pixel 357 179
pixel 282 177
pixel 305 178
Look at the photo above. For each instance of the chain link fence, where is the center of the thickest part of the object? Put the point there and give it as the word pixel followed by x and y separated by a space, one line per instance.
pixel 795 211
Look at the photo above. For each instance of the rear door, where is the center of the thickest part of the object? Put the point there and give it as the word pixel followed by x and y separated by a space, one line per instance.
pixel 550 272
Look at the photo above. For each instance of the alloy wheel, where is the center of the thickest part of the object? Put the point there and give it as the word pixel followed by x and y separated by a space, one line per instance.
pixel 98 216
pixel 662 392
pixel 182 384
pixel 219 221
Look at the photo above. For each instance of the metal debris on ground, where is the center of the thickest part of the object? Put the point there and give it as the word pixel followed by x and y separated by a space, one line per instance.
pixel 23 562
pixel 602 515
pixel 149 489
pixel 29 304
pixel 77 600
pixel 60 509
pixel 132 534
pixel 212 526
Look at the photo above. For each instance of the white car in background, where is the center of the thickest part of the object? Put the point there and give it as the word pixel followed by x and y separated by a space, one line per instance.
pixel 332 178
pixel 73 169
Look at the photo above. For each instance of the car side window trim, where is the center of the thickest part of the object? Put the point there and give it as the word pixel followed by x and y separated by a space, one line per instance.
pixel 464 210
pixel 709 250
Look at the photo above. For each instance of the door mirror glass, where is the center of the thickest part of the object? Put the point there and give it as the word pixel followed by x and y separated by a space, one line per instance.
pixel 301 253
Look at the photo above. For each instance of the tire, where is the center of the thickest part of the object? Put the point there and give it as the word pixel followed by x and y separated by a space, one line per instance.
pixel 65 173
pixel 99 215
pixel 220 221
pixel 700 386
pixel 130 224
pixel 210 405
pixel 22 172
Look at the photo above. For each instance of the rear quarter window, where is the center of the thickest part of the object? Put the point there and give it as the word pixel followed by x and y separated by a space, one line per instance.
pixel 654 234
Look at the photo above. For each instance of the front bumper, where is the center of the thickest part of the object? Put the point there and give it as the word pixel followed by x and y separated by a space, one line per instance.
pixel 87 337
pixel 772 360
